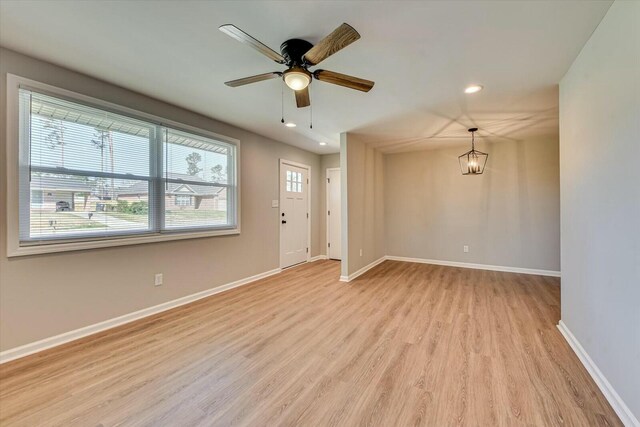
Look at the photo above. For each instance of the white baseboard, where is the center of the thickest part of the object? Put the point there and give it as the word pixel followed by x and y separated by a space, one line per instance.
pixel 450 264
pixel 616 402
pixel 476 266
pixel 44 344
pixel 317 258
pixel 362 270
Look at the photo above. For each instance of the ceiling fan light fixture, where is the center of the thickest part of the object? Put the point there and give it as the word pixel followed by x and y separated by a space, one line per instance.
pixel 297 78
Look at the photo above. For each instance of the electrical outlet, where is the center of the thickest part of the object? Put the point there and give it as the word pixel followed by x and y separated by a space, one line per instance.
pixel 465 248
pixel 158 280
pixel 360 252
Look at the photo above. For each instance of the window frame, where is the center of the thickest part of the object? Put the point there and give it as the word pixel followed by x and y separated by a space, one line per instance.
pixel 17 168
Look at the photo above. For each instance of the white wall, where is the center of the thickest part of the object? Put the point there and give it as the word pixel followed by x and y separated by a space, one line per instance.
pixel 45 295
pixel 600 199
pixel 508 216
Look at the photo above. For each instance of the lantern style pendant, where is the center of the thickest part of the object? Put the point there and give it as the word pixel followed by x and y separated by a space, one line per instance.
pixel 473 162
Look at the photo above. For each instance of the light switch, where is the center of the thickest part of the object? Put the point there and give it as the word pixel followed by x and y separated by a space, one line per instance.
pixel 274 204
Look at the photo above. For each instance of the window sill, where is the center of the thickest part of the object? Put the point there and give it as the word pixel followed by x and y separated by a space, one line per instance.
pixel 116 241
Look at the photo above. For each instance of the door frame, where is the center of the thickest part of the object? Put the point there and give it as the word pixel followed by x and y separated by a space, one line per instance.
pixel 308 168
pixel 326 204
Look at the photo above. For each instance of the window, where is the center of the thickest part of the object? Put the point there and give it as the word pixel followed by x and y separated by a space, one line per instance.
pixel 94 173
pixel 197 173
pixel 294 182
pixel 182 200
pixel 36 197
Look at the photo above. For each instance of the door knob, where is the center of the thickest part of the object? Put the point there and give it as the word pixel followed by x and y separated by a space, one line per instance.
pixel 284 222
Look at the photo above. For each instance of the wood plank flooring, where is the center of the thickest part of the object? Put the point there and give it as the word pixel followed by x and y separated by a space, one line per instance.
pixel 403 345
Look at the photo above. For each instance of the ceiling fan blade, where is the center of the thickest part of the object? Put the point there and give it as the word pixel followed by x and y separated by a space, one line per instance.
pixel 344 80
pixel 253 79
pixel 340 38
pixel 302 97
pixel 241 36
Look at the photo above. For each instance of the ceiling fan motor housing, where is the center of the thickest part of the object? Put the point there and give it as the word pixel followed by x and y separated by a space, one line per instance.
pixel 293 50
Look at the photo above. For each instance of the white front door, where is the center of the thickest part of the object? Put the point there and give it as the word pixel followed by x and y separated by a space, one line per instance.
pixel 294 214
pixel 333 214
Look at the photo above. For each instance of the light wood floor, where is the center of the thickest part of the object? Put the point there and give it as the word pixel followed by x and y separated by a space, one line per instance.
pixel 405 344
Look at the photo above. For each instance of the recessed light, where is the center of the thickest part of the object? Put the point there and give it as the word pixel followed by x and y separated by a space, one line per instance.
pixel 290 125
pixel 473 88
pixel 323 143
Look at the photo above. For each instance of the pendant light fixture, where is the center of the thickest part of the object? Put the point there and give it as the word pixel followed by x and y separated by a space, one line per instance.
pixel 473 162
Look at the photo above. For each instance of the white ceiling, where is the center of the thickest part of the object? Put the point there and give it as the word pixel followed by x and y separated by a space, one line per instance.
pixel 420 54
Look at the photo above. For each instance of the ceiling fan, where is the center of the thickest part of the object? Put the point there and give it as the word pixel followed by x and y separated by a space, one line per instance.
pixel 298 55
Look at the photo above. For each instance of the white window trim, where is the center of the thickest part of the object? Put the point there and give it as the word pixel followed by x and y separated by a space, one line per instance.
pixel 13 176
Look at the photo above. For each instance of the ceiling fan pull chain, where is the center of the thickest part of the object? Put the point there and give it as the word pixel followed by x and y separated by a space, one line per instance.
pixel 282 102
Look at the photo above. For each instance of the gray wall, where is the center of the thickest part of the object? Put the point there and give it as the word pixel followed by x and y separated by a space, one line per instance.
pixel 329 161
pixel 600 199
pixel 362 180
pixel 45 295
pixel 508 216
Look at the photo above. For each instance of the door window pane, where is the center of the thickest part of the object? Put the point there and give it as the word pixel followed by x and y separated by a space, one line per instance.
pixel 294 181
